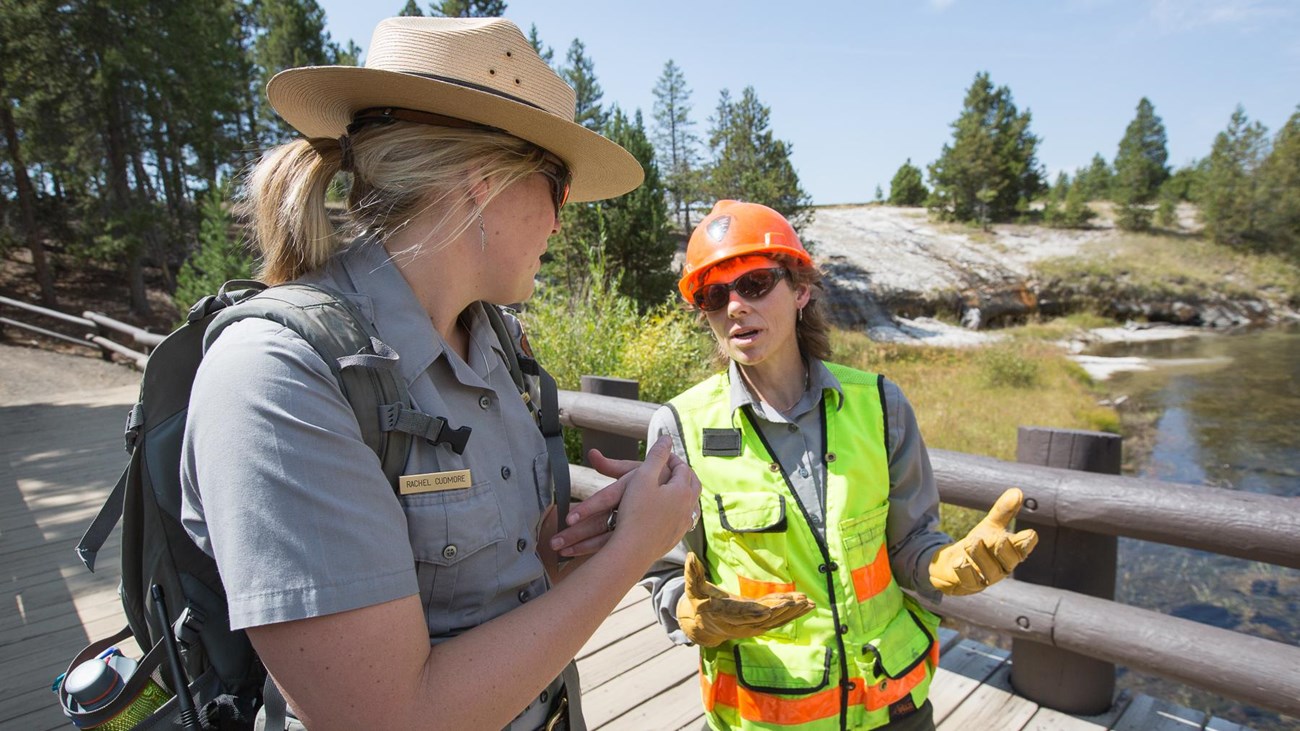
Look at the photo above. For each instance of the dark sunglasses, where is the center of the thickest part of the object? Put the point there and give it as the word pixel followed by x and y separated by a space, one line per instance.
pixel 560 178
pixel 751 285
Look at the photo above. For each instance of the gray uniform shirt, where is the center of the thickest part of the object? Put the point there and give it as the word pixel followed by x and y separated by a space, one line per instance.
pixel 795 436
pixel 279 487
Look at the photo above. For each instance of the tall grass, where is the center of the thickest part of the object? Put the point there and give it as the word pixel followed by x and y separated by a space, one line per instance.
pixel 974 400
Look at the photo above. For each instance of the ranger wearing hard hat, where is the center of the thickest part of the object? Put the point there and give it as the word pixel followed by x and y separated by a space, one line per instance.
pixel 819 509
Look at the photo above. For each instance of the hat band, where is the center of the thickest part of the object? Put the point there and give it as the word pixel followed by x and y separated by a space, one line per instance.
pixel 374 115
pixel 477 87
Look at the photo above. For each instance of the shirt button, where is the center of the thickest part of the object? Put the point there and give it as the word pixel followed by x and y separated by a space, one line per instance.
pixel 793 428
pixel 850 685
pixel 774 467
pixel 844 629
pixel 505 473
pixel 834 566
pixel 521 545
pixel 803 472
pixel 830 456
pixel 484 402
pixel 449 552
pixel 544 697
pixel 822 568
pixel 524 596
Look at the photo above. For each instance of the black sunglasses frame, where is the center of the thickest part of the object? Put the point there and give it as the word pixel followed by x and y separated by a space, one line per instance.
pixel 560 178
pixel 743 285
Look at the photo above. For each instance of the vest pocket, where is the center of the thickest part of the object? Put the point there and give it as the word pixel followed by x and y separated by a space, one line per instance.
pixel 782 668
pixel 452 537
pixel 750 558
pixel 877 596
pixel 899 649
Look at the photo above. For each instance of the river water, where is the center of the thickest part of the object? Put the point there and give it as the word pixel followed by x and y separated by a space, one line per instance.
pixel 1226 415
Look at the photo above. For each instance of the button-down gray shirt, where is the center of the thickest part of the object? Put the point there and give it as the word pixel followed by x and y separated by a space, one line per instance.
pixel 795 436
pixel 280 488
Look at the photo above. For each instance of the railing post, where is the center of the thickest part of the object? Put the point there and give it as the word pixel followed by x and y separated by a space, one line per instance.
pixel 610 445
pixel 1072 559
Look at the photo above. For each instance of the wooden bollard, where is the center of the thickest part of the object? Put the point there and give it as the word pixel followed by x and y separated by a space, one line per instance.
pixel 1067 558
pixel 610 445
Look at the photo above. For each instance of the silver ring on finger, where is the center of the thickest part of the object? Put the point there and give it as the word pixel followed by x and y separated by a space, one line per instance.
pixel 695 518
pixel 612 521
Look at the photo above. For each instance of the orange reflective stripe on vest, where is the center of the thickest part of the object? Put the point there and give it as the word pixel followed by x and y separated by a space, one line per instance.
pixel 753 589
pixel 790 710
pixel 873 578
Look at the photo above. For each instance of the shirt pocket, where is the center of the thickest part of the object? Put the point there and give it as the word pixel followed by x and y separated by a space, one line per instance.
pixel 877 598
pixel 454 536
pixel 755 542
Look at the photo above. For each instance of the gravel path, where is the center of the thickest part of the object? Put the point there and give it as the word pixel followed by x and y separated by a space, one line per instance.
pixel 32 375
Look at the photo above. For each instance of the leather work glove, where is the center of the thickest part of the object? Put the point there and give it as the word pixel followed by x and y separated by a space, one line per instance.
pixel 987 554
pixel 709 616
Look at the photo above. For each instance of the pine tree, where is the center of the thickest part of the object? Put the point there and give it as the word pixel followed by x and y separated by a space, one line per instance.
pixel 1140 167
pixel 219 257
pixel 637 242
pixel 750 164
pixel 1061 188
pixel 991 165
pixel 580 72
pixel 468 8
pixel 535 40
pixel 676 144
pixel 411 10
pixel 1229 201
pixel 1096 178
pixel 293 34
pixel 1279 187
pixel 907 188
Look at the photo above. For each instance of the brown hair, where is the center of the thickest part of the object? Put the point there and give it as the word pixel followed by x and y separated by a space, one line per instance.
pixel 399 171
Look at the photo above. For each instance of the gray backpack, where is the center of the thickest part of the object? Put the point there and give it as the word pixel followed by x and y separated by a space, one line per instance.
pixel 225 677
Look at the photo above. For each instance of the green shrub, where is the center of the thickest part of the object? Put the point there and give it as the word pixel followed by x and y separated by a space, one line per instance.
pixel 1003 366
pixel 601 333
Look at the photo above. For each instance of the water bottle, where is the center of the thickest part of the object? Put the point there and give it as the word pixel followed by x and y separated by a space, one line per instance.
pixel 97 683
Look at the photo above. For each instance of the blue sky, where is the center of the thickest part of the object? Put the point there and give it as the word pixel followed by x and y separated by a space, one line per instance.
pixel 859 87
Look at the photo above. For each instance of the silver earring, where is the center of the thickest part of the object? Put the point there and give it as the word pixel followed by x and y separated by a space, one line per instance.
pixel 800 314
pixel 482 233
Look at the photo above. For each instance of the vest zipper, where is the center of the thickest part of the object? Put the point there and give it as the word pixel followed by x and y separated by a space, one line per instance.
pixel 826 557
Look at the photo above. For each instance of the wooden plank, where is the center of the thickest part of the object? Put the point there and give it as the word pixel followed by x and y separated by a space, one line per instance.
pixel 1047 719
pixel 609 663
pixel 1223 724
pixel 993 705
pixel 674 708
pixel 622 623
pixel 961 670
pixel 639 684
pixel 1152 714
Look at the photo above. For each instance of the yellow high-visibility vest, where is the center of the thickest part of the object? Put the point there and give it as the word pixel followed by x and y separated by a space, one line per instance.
pixel 867 645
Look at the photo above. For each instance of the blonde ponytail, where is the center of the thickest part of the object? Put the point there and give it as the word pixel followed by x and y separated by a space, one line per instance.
pixel 285 202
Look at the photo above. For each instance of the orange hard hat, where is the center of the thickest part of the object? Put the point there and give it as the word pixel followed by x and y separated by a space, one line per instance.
pixel 735 228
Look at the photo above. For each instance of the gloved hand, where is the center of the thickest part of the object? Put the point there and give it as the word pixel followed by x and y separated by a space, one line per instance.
pixel 709 616
pixel 987 554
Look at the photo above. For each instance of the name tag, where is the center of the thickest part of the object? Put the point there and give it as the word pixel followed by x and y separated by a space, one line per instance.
pixel 434 482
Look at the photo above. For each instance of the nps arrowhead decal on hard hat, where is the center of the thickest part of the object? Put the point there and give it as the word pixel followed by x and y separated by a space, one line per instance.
pixel 718 228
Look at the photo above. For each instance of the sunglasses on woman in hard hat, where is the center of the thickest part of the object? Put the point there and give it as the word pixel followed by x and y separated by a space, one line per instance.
pixel 751 285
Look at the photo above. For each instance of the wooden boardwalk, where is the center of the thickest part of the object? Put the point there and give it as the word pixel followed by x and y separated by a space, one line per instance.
pixel 60 458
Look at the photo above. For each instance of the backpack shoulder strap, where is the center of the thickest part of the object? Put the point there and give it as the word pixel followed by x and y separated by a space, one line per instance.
pixel 365 367
pixel 524 367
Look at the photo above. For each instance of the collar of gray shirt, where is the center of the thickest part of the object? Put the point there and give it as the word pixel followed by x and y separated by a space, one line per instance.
pixel 368 276
pixel 820 378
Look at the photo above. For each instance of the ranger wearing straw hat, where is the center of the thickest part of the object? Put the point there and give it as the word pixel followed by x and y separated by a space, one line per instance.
pixel 437 605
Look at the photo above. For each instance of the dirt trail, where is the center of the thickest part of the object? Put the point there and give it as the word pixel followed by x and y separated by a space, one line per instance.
pixel 33 375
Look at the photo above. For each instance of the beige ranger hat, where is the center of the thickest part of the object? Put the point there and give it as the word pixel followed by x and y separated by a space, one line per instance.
pixel 481 70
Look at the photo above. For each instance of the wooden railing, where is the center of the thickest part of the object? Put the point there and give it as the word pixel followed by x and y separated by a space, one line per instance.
pixel 1256 527
pixel 1257 671
pixel 98 324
